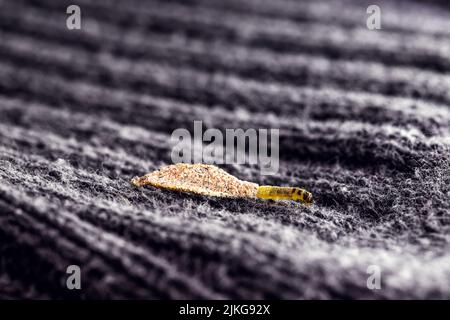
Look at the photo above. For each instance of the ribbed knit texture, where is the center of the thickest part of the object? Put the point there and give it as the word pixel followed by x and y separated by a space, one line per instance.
pixel 364 119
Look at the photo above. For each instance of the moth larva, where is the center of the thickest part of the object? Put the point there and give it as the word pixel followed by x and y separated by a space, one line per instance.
pixel 210 180
pixel 284 193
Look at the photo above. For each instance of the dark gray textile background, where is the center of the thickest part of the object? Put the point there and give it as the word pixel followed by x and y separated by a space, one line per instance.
pixel 364 119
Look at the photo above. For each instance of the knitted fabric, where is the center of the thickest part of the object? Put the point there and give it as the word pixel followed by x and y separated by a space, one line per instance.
pixel 364 122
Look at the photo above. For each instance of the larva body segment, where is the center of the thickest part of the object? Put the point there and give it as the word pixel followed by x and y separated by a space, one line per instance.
pixel 284 193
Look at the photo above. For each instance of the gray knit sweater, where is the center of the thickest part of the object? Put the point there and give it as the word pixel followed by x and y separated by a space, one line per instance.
pixel 364 120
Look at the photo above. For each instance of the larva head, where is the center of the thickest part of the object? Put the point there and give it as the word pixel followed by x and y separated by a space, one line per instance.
pixel 303 196
pixel 307 197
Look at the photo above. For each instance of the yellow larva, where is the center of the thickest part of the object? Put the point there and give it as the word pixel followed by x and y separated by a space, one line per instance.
pixel 212 181
pixel 284 193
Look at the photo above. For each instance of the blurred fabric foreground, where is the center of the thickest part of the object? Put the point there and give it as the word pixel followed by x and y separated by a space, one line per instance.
pixel 364 120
